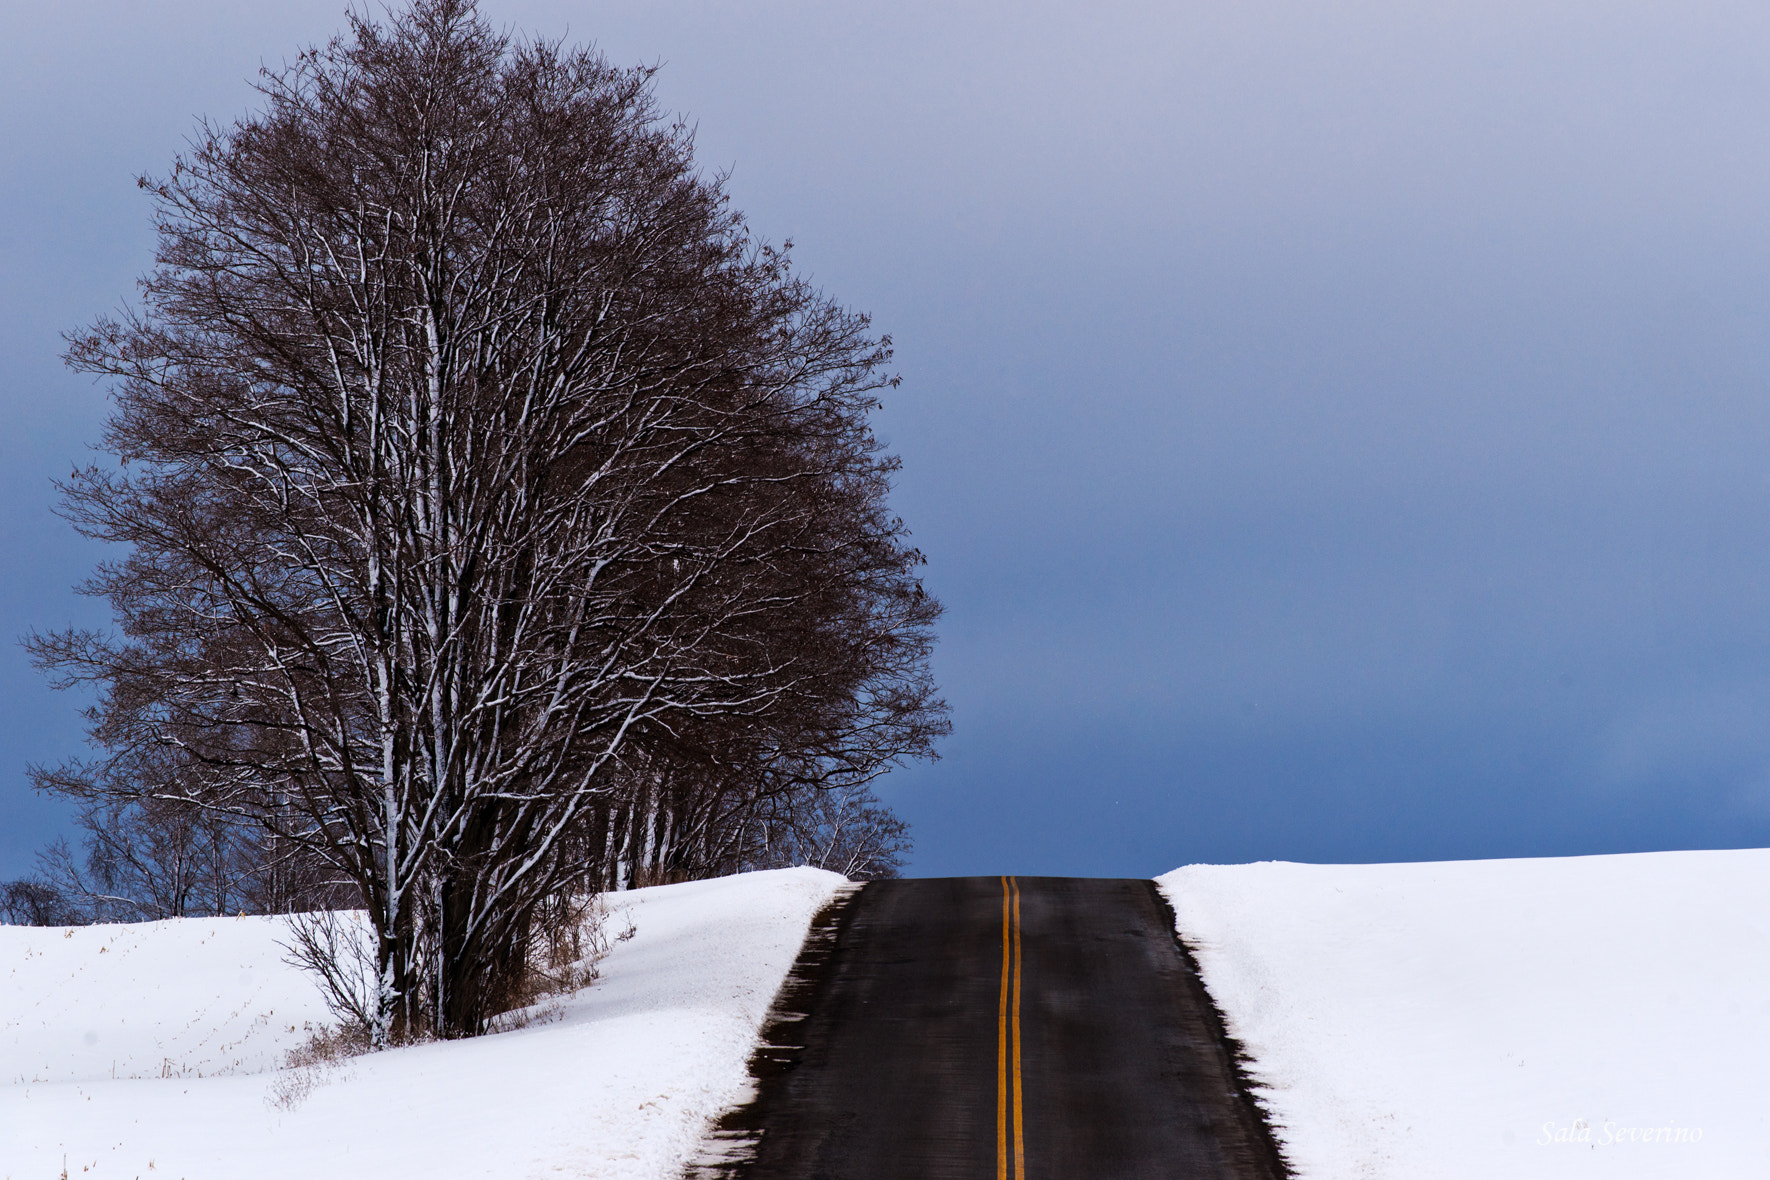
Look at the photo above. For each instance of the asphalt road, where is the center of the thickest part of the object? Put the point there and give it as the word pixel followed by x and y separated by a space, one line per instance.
pixel 1031 1028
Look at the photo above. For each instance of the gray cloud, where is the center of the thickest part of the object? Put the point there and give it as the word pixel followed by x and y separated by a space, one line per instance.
pixel 1337 429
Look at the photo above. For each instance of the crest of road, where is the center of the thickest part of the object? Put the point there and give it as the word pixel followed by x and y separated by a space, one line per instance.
pixel 1020 1028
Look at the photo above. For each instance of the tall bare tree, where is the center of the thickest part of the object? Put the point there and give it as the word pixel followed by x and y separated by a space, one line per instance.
pixel 470 448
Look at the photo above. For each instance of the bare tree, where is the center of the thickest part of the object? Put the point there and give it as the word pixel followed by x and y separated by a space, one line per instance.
pixel 679 820
pixel 148 860
pixel 30 901
pixel 471 448
pixel 151 850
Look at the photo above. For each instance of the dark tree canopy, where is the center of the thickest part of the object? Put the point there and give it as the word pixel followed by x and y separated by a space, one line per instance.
pixel 485 487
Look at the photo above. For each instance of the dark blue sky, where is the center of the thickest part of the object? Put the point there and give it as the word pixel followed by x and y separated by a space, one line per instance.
pixel 1338 431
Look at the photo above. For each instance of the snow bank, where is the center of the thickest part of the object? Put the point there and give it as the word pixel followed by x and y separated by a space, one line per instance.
pixel 152 1050
pixel 1591 1016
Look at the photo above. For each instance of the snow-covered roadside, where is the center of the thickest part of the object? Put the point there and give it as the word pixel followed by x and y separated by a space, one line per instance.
pixel 620 1084
pixel 1588 1016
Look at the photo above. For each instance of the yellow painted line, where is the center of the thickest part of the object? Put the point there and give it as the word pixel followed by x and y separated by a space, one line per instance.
pixel 1002 1049
pixel 1008 1039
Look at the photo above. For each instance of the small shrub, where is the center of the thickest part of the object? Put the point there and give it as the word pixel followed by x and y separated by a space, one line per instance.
pixel 312 1063
pixel 565 957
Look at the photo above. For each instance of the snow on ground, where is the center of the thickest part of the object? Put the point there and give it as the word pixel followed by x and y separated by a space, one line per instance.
pixel 152 1051
pixel 1603 1016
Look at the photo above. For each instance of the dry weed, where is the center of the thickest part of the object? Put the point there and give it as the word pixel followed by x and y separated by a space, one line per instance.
pixel 312 1063
pixel 566 958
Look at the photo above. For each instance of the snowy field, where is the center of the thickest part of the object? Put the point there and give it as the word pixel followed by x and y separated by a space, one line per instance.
pixel 153 1051
pixel 1603 1016
pixel 1596 1016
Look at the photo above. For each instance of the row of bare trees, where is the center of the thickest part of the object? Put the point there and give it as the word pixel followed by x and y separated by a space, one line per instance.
pixel 150 853
pixel 502 520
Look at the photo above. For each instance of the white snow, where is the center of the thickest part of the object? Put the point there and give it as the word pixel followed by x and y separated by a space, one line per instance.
pixel 152 1051
pixel 1593 1016
pixel 1601 1016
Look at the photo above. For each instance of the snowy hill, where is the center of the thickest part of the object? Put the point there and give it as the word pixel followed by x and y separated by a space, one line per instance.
pixel 152 1051
pixel 1603 1016
pixel 1596 1016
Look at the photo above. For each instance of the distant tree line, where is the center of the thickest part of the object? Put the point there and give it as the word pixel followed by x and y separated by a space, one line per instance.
pixel 502 523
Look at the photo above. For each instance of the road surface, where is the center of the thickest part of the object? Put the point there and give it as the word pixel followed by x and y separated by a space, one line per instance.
pixel 1021 1028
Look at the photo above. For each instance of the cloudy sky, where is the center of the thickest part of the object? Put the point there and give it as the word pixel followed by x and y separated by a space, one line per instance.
pixel 1339 431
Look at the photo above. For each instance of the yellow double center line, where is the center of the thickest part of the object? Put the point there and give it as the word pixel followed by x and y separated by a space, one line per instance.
pixel 1008 1039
